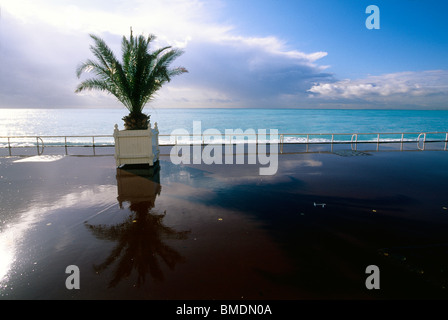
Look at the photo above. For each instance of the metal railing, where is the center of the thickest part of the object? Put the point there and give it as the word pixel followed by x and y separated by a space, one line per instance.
pixel 371 138
pixel 317 138
pixel 93 141
pixel 40 142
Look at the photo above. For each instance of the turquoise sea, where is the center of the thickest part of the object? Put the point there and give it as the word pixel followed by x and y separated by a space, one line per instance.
pixel 72 122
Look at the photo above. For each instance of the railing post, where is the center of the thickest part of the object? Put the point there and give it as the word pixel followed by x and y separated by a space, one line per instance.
pixel 9 145
pixel 446 140
pixel 43 144
pixel 378 142
pixel 281 143
pixel 156 137
pixel 418 141
pixel 256 143
pixel 402 139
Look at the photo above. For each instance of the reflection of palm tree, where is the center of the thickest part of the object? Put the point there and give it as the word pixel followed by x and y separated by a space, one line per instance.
pixel 140 243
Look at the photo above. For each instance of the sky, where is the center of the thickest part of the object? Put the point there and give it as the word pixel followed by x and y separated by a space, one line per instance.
pixel 310 54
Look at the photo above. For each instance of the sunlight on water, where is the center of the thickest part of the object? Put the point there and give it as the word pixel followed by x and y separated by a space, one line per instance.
pixel 6 254
pixel 44 158
pixel 12 237
pixel 15 122
pixel 58 122
pixel 69 122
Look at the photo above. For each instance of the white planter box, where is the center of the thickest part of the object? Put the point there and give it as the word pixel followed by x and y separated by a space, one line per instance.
pixel 136 146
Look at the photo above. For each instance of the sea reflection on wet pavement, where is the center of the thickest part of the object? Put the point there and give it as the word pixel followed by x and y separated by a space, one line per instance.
pixel 225 232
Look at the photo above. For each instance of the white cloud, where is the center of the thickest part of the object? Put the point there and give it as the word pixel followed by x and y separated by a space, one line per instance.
pixel 427 89
pixel 45 40
pixel 411 84
pixel 274 47
pixel 175 21
pixel 42 42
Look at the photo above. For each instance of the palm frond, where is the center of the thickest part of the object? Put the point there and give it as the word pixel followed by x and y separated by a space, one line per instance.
pixel 89 66
pixel 136 79
pixel 93 84
pixel 103 53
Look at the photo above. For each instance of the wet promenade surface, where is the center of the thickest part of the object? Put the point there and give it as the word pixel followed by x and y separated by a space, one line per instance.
pixel 223 231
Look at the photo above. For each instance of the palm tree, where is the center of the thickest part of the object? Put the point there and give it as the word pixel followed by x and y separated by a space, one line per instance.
pixel 136 79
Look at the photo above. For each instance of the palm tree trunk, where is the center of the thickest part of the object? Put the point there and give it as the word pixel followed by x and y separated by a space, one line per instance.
pixel 136 121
